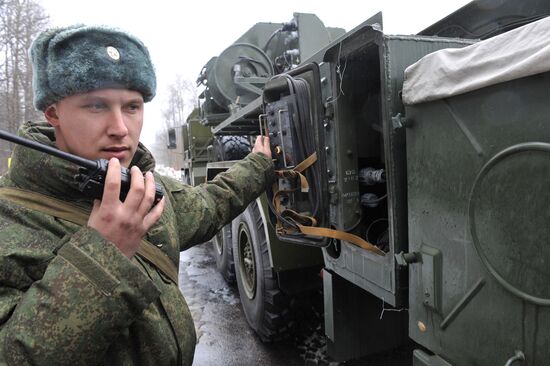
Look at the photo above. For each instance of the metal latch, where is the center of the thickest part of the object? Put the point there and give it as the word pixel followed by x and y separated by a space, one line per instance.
pixel 431 272
pixel 399 121
pixel 404 259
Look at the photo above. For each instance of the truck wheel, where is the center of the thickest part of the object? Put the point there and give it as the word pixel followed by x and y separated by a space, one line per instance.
pixel 223 251
pixel 231 147
pixel 265 306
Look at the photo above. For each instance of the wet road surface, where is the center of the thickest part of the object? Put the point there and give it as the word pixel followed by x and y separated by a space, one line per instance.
pixel 224 337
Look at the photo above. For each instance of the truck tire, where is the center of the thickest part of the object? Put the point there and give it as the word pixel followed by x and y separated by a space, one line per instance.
pixel 223 252
pixel 231 147
pixel 265 306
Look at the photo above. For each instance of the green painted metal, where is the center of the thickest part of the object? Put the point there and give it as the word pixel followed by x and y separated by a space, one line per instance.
pixel 421 358
pixel 286 256
pixel 282 256
pixel 236 77
pixel 488 218
pixel 356 322
pixel 465 182
pixel 487 18
pixel 238 74
pixel 194 139
pixel 266 48
pixel 361 133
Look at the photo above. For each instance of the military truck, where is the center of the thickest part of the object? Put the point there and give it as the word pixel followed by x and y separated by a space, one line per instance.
pixel 269 273
pixel 418 165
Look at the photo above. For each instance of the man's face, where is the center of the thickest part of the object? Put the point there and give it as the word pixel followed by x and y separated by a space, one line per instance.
pixel 103 123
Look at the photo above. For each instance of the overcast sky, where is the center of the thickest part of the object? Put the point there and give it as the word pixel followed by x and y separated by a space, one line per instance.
pixel 182 35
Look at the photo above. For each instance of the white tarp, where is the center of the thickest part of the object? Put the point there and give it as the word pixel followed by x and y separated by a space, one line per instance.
pixel 516 54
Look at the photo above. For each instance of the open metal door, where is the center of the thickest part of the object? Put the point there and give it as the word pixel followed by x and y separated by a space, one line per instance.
pixel 293 119
pixel 342 108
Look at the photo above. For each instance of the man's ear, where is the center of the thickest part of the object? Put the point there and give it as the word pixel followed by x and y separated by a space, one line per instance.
pixel 51 115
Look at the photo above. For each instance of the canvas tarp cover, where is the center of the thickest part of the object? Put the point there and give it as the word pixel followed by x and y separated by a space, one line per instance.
pixel 516 54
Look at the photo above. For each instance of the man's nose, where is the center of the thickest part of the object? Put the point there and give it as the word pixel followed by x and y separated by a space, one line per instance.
pixel 117 124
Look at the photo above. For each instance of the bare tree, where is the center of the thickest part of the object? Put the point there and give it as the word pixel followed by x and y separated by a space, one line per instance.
pixel 20 23
pixel 182 99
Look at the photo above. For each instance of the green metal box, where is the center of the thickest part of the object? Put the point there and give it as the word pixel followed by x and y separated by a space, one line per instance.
pixel 366 69
pixel 478 172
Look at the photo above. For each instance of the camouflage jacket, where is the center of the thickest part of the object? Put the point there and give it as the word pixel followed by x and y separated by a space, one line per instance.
pixel 69 297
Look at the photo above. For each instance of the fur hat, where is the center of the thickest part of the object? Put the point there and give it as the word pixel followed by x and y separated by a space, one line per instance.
pixel 81 58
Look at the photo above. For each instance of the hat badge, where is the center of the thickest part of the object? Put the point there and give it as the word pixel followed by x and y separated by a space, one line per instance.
pixel 113 53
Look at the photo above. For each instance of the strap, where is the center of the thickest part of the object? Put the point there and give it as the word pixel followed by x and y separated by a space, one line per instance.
pixel 64 210
pixel 307 224
pixel 306 163
pixel 297 171
pixel 341 235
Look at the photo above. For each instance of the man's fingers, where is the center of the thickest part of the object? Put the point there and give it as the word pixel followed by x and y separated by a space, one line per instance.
pixel 262 145
pixel 137 189
pixel 96 205
pixel 149 194
pixel 264 141
pixel 111 191
pixel 154 215
pixel 260 141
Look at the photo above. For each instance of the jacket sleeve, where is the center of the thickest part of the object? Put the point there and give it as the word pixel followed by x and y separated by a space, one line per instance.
pixel 65 309
pixel 203 210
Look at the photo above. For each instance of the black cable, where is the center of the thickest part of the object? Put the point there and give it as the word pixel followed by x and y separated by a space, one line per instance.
pixel 374 200
pixel 301 91
pixel 277 31
pixel 354 226
pixel 279 216
pixel 371 225
pixel 299 96
pixel 298 89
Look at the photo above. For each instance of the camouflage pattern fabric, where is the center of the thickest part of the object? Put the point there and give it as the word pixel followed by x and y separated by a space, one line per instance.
pixel 70 297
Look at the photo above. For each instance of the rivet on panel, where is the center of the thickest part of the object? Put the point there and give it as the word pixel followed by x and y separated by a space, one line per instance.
pixel 421 326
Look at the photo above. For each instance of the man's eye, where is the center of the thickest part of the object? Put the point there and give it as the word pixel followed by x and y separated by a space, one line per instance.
pixel 134 107
pixel 95 106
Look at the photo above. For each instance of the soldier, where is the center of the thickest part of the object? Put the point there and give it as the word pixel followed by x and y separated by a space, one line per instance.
pixel 87 281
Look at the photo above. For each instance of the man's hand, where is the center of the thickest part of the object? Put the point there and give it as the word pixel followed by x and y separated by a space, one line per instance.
pixel 125 223
pixel 262 146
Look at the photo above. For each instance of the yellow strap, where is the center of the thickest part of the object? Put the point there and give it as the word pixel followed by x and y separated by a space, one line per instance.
pixel 298 218
pixel 311 222
pixel 306 163
pixel 341 235
pixel 297 171
pixel 64 210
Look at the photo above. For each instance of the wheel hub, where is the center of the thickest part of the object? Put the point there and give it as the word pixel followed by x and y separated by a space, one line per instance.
pixel 247 262
pixel 218 242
